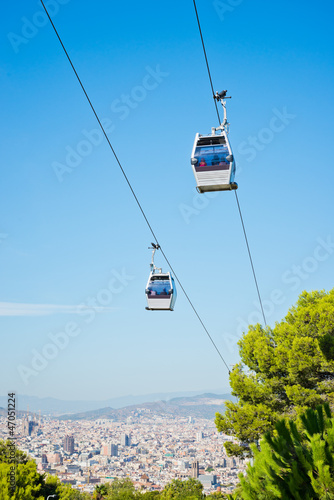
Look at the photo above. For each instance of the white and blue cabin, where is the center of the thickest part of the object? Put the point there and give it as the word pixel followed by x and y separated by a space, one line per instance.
pixel 160 292
pixel 212 158
pixel 213 162
pixel 160 289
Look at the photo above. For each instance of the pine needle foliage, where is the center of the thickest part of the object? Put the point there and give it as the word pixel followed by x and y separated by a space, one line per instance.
pixel 283 371
pixel 295 461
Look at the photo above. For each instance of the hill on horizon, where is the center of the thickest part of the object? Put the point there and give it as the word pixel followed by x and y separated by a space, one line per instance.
pixel 53 406
pixel 199 406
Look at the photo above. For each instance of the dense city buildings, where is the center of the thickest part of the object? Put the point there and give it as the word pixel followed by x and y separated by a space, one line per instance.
pixel 148 448
pixel 30 425
pixel 125 440
pixel 195 469
pixel 110 450
pixel 68 444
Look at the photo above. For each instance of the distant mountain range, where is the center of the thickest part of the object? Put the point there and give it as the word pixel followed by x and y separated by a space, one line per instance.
pixel 200 406
pixel 53 406
pixel 4 413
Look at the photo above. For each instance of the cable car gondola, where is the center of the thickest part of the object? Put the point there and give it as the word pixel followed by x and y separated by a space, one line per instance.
pixel 160 289
pixel 212 158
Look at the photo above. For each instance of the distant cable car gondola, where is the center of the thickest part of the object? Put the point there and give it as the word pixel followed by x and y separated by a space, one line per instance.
pixel 160 289
pixel 212 158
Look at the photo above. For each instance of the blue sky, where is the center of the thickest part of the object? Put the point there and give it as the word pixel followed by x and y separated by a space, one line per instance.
pixel 71 233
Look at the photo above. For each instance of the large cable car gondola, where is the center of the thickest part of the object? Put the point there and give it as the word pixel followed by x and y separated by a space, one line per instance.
pixel 160 289
pixel 212 158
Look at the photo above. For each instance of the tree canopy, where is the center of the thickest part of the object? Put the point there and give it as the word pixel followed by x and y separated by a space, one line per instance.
pixel 177 489
pixel 123 489
pixel 283 370
pixel 9 452
pixel 19 479
pixel 296 461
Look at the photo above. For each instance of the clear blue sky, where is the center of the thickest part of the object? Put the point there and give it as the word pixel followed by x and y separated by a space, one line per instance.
pixel 64 238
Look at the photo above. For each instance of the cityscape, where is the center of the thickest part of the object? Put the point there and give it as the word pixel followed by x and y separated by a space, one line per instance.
pixel 148 448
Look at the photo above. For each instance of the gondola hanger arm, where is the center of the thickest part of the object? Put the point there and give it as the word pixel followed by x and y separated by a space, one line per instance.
pixel 154 248
pixel 221 96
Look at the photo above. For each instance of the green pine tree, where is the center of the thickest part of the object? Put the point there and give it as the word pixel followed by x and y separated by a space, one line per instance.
pixel 283 371
pixel 101 491
pixel 121 489
pixel 19 479
pixel 295 461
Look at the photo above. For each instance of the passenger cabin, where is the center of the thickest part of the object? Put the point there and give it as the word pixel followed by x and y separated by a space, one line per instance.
pixel 213 163
pixel 160 292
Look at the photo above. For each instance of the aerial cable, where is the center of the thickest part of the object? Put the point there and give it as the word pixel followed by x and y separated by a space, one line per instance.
pixel 236 196
pixel 130 186
pixel 207 62
pixel 250 258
